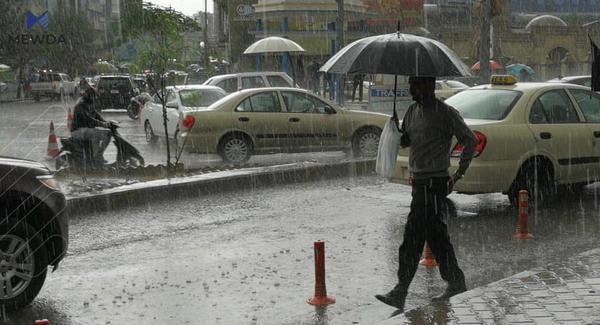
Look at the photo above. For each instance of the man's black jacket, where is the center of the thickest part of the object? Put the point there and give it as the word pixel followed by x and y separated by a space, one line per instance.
pixel 85 116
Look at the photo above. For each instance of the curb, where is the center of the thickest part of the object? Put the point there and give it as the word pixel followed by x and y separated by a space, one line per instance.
pixel 211 183
pixel 15 100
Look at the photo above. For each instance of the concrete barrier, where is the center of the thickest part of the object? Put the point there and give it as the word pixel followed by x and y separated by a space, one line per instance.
pixel 211 183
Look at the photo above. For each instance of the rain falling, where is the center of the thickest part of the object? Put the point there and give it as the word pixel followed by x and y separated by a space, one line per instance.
pixel 299 162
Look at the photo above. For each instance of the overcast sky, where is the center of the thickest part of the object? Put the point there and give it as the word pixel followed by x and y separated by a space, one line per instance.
pixel 188 7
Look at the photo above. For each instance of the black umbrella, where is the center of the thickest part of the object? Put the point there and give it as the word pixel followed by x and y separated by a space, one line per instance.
pixel 397 54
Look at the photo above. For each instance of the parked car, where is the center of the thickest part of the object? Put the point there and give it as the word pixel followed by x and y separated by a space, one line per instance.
pixel 180 100
pixel 577 80
pixel 447 88
pixel 140 82
pixel 33 229
pixel 115 91
pixel 52 84
pixel 541 137
pixel 3 87
pixel 266 120
pixel 246 80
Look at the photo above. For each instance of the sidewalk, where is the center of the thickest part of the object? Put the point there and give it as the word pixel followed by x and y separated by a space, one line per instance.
pixel 559 293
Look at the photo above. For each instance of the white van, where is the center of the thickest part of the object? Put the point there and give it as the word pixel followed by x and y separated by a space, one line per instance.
pixel 245 80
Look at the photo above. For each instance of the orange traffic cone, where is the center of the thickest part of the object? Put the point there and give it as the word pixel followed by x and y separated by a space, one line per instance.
pixel 42 322
pixel 52 144
pixel 522 231
pixel 320 298
pixel 428 258
pixel 69 119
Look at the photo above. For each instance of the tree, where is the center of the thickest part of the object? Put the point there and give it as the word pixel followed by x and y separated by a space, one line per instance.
pixel 16 49
pixel 159 29
pixel 65 46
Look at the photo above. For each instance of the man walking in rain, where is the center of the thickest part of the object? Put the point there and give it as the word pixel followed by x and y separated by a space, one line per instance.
pixel 428 128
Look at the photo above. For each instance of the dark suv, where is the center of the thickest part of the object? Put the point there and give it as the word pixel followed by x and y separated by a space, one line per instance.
pixel 115 91
pixel 33 229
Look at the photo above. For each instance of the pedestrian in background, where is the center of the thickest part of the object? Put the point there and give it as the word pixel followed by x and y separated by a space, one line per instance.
pixel 357 82
pixel 428 128
pixel 524 76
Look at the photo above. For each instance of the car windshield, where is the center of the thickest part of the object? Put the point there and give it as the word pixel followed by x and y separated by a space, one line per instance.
pixel 200 97
pixel 484 104
pixel 114 83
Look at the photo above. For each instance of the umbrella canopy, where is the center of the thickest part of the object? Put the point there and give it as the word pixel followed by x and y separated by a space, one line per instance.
pixel 515 69
pixel 4 67
pixel 274 44
pixel 494 65
pixel 398 54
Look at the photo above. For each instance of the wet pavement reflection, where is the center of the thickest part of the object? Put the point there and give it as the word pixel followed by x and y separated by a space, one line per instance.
pixel 246 258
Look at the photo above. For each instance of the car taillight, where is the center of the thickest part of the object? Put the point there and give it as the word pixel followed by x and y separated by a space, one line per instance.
pixel 188 121
pixel 481 142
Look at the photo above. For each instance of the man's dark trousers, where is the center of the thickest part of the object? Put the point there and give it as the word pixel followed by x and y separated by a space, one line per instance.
pixel 425 222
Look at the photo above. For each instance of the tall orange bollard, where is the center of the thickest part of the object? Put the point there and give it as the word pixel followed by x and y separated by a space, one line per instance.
pixel 52 144
pixel 42 322
pixel 522 231
pixel 320 298
pixel 69 119
pixel 428 258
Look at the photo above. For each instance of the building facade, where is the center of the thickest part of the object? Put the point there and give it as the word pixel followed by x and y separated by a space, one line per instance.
pixel 104 15
pixel 233 31
pixel 553 43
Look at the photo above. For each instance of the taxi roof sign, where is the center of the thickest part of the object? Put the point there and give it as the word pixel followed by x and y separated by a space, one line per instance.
pixel 503 80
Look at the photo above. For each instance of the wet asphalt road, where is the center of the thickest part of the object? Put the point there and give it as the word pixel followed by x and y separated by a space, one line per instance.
pixel 24 129
pixel 247 258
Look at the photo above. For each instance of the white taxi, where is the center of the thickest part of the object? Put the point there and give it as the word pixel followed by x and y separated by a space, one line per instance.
pixel 541 137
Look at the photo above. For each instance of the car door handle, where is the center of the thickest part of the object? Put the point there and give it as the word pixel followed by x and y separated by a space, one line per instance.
pixel 545 135
pixel 243 119
pixel 597 134
pixel 294 119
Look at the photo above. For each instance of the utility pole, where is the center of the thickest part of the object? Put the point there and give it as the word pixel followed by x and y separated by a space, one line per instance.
pixel 339 25
pixel 484 36
pixel 206 38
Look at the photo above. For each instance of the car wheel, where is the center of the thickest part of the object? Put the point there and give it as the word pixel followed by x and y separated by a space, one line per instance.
pixel 235 149
pixel 366 143
pixel 23 265
pixel 150 137
pixel 132 111
pixel 536 178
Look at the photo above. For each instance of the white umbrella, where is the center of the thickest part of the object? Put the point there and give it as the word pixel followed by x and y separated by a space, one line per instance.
pixel 273 44
pixel 4 67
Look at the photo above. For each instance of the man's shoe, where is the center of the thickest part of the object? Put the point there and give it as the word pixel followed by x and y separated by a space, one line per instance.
pixel 394 298
pixel 451 290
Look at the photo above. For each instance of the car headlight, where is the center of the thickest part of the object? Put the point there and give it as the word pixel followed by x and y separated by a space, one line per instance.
pixel 49 181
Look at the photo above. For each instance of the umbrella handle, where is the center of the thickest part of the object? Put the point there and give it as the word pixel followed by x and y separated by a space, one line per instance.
pixel 395 115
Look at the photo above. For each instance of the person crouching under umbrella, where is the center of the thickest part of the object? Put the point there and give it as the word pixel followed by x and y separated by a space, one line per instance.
pixel 428 128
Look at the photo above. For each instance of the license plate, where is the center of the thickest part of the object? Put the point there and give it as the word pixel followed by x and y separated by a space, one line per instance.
pixel 114 91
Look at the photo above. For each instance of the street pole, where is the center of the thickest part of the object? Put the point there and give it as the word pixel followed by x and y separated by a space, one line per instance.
pixel 206 37
pixel 484 46
pixel 339 44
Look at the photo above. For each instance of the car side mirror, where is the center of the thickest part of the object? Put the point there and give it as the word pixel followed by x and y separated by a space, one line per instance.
pixel 172 104
pixel 329 110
